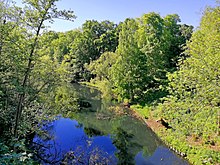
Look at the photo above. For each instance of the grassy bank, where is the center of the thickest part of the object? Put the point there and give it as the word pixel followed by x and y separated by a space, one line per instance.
pixel 195 151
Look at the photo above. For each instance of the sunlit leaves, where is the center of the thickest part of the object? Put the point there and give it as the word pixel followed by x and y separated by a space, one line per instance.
pixel 195 85
pixel 148 48
pixel 29 68
pixel 94 39
pixel 46 10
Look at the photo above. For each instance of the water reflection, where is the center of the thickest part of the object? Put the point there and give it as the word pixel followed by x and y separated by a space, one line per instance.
pixel 122 140
pixel 98 136
pixel 68 143
pixel 162 156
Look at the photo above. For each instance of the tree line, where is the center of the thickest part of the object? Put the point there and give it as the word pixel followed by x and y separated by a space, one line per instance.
pixel 151 60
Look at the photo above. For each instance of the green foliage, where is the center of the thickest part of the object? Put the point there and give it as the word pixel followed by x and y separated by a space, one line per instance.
pixel 130 61
pixel 11 42
pixel 27 71
pixel 8 156
pixel 103 65
pixel 192 108
pixel 195 154
pixel 148 48
pixel 126 73
pixel 144 112
pixel 177 35
pixel 95 39
pixel 195 87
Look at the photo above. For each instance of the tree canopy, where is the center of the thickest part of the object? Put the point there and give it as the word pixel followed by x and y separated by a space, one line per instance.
pixel 195 86
pixel 152 60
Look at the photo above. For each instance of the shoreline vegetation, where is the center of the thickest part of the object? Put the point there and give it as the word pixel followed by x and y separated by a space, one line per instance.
pixel 192 150
pixel 179 98
pixel 166 71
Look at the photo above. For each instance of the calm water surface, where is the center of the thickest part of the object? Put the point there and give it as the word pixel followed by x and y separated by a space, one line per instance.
pixel 98 136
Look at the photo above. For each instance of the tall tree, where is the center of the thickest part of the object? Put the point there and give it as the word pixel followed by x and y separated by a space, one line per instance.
pixel 34 15
pixel 153 43
pixel 195 99
pixel 148 48
pixel 127 72
pixel 95 39
pixel 176 37
pixel 11 42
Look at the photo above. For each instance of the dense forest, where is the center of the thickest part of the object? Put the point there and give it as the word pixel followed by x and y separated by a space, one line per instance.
pixel 161 67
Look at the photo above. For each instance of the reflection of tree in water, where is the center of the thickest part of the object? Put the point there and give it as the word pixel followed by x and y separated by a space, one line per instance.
pixel 96 156
pixel 83 151
pixel 123 143
pixel 81 155
pixel 92 132
pixel 45 151
pixel 44 143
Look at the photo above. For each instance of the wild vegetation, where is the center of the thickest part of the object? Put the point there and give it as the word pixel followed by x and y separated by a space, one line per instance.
pixel 158 64
pixel 192 107
pixel 28 74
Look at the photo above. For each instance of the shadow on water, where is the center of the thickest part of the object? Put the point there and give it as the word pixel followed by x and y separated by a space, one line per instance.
pixel 100 137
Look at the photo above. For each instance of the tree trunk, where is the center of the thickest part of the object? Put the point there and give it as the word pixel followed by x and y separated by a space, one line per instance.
pixel 21 96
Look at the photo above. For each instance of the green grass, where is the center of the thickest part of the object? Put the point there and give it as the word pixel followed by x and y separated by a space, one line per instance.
pixel 143 111
pixel 194 154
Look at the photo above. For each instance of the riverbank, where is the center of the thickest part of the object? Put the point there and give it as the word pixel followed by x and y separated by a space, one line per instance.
pixel 193 150
pixel 190 148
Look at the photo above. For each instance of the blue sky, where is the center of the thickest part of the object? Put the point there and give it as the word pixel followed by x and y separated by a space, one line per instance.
pixel 190 11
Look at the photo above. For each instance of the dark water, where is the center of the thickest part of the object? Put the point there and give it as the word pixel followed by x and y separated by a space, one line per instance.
pixel 98 136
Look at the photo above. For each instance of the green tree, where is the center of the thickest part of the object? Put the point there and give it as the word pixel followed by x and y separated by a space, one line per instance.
pixel 11 42
pixel 148 48
pixel 127 72
pixel 101 67
pixel 32 17
pixel 176 37
pixel 95 39
pixel 193 108
pixel 153 42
